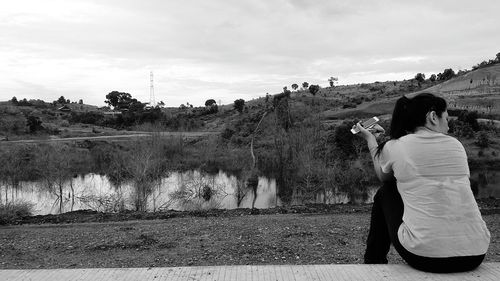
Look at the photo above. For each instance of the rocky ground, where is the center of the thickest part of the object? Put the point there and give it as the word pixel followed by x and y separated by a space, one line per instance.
pixel 309 234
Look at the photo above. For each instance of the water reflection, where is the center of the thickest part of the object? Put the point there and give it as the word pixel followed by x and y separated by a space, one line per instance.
pixel 190 190
pixel 96 192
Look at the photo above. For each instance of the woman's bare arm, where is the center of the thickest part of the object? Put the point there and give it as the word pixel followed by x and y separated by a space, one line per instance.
pixel 371 140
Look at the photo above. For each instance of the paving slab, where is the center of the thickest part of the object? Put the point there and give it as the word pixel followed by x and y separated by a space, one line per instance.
pixel 323 272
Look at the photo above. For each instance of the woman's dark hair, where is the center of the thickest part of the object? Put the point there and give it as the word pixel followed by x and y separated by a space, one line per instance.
pixel 411 113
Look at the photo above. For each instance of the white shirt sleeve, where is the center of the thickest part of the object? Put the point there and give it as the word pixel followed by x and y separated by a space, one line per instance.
pixel 386 157
pixel 464 155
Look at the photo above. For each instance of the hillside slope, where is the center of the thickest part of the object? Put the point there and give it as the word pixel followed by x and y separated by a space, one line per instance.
pixel 477 90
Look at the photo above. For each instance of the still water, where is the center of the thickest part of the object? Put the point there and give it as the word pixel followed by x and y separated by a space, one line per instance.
pixel 96 192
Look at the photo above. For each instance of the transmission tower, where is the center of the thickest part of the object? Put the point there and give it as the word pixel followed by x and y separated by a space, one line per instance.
pixel 152 101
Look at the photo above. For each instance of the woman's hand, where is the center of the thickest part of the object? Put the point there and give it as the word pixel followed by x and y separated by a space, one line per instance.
pixel 374 131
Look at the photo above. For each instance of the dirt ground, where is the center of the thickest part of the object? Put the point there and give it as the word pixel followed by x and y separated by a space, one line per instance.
pixel 315 234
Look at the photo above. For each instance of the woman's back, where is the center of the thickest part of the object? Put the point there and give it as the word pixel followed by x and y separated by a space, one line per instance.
pixel 441 217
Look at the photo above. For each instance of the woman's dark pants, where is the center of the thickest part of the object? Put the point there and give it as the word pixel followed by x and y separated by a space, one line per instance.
pixel 387 216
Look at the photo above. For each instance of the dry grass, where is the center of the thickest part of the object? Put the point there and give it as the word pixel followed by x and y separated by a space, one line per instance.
pixel 12 211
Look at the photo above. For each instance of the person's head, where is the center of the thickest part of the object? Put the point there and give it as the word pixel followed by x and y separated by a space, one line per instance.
pixel 423 110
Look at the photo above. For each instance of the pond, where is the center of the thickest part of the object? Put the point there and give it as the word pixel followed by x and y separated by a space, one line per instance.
pixel 189 190
pixel 96 192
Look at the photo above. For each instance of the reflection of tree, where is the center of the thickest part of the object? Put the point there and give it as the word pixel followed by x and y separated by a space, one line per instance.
pixel 145 167
pixel 13 164
pixel 241 191
pixel 158 191
pixel 57 164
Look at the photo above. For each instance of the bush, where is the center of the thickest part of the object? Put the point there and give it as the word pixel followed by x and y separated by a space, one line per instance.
pixel 51 129
pixel 13 211
pixel 12 124
pixel 227 133
pixel 460 129
pixel 469 118
pixel 34 123
pixel 64 123
pixel 93 118
pixel 483 140
pixel 239 104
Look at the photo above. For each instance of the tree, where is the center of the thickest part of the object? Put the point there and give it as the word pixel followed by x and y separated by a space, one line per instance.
pixel 286 91
pixel 119 100
pixel 446 75
pixel 61 100
pixel 497 58
pixel 14 101
pixel 344 141
pixel 144 166
pixel 295 86
pixel 211 106
pixel 135 106
pixel 80 101
pixel 210 102
pixel 305 85
pixel 313 89
pixel 332 81
pixel 239 104
pixel 34 124
pixel 420 77
pixel 24 102
pixel 432 78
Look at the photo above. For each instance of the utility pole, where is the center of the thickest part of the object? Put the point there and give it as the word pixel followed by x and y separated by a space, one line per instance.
pixel 152 101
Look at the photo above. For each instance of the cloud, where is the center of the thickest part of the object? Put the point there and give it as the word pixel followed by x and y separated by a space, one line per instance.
pixel 232 49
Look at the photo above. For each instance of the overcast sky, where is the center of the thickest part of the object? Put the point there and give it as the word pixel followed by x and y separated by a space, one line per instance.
pixel 230 49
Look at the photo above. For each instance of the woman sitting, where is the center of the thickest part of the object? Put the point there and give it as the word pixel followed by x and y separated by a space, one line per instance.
pixel 425 207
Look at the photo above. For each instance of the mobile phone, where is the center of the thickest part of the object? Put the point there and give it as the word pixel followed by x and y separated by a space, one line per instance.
pixel 367 124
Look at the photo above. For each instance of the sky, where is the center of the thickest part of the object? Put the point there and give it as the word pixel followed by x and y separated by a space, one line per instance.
pixel 231 49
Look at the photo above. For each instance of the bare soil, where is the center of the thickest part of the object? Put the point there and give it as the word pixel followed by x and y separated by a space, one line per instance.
pixel 313 234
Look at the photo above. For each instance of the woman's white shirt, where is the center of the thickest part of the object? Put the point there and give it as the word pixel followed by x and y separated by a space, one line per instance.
pixel 441 217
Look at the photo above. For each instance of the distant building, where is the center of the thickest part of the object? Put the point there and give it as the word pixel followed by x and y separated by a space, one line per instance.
pixel 112 113
pixel 64 108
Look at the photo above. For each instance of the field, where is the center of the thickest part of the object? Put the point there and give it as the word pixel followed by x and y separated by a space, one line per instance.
pixel 295 236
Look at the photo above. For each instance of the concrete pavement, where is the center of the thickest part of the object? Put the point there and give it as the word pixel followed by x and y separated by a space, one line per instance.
pixel 330 272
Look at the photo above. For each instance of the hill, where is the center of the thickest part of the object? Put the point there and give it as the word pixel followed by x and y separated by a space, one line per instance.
pixel 477 90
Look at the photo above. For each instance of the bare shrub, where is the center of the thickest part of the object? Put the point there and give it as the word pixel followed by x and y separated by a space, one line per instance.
pixel 12 211
pixel 144 166
pixel 199 193
pixel 56 165
pixel 15 166
pixel 104 203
